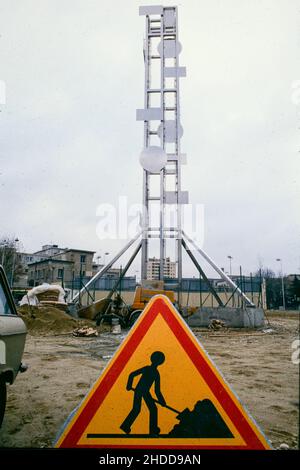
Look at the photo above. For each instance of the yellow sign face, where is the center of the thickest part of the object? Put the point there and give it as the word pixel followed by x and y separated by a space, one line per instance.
pixel 161 390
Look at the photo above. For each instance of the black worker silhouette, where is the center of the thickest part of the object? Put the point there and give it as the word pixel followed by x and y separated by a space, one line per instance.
pixel 149 376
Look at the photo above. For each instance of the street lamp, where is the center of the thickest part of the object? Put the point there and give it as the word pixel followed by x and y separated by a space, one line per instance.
pixel 230 258
pixel 282 283
pixel 105 254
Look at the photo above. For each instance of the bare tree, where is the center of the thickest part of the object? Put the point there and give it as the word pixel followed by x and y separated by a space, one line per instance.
pixel 273 285
pixel 265 272
pixel 10 258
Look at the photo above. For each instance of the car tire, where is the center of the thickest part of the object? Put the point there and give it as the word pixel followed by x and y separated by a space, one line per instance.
pixel 2 399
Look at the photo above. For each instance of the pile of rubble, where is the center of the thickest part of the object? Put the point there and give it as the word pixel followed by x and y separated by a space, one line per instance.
pixel 216 325
pixel 86 331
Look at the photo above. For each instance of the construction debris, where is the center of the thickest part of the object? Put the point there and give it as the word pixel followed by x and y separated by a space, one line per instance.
pixel 268 330
pixel 115 326
pixel 216 324
pixel 284 447
pixel 86 331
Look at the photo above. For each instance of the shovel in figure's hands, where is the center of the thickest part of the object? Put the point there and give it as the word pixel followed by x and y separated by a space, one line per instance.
pixel 179 413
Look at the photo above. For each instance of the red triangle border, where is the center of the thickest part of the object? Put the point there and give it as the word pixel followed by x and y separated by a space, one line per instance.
pixel 159 306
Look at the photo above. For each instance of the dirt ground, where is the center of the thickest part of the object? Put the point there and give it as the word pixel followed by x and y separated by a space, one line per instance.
pixel 62 368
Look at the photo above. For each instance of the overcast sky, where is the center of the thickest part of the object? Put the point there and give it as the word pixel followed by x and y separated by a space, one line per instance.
pixel 74 72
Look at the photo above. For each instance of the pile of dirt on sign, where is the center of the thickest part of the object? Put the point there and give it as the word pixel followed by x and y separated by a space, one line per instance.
pixel 204 421
pixel 44 320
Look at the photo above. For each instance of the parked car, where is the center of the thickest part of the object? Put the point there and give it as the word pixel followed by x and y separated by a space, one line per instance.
pixel 12 341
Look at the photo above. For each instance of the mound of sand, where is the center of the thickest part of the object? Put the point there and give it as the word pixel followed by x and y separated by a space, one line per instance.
pixel 47 320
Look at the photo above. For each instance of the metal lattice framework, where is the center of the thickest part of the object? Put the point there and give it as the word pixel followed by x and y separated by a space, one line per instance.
pixel 162 158
pixel 161 116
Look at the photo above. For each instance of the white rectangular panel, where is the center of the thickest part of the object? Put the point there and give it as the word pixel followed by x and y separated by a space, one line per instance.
pixel 150 114
pixel 169 17
pixel 173 157
pixel 151 10
pixel 172 72
pixel 183 159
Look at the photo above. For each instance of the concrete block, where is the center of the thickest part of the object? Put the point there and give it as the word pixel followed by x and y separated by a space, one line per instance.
pixel 232 317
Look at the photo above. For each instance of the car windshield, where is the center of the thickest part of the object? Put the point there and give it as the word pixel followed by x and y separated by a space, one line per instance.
pixel 4 305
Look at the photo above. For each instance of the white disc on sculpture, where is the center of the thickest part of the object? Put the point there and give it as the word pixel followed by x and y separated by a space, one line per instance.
pixel 170 47
pixel 153 159
pixel 170 131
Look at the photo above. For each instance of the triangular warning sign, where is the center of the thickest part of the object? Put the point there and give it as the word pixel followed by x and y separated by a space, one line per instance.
pixel 161 390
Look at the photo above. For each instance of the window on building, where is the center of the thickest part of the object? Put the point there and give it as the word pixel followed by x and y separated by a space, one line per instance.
pixel 82 258
pixel 60 273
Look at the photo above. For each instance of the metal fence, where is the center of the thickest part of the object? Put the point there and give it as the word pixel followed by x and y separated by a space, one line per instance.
pixel 129 283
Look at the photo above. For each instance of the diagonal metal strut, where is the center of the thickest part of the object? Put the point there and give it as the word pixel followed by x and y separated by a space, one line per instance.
pixel 101 273
pixel 124 271
pixel 209 285
pixel 219 271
